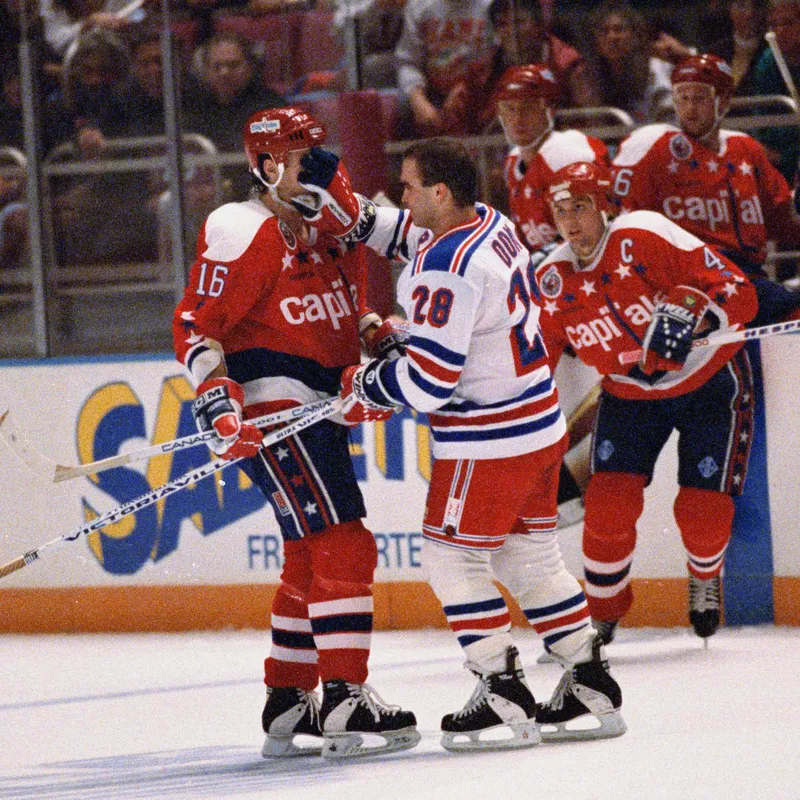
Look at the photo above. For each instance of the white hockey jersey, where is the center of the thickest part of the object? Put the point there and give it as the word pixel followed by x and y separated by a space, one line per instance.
pixel 476 360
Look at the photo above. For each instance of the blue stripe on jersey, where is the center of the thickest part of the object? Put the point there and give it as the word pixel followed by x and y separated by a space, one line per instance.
pixel 390 253
pixel 537 613
pixel 441 255
pixel 495 604
pixel 387 376
pixel 467 256
pixel 437 350
pixel 338 623
pixel 439 392
pixel 482 434
pixel 541 388
pixel 551 640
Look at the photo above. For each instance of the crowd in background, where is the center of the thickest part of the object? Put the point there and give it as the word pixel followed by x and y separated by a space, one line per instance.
pixel 100 78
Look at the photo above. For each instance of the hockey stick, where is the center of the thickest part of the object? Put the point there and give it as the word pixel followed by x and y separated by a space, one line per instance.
pixel 155 495
pixel 783 67
pixel 632 356
pixel 60 472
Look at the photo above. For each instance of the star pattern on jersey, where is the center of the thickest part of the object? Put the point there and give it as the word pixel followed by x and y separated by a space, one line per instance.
pixel 745 168
pixel 588 287
pixel 639 269
pixel 712 165
pixel 302 256
pixel 673 166
pixel 297 480
pixel 729 289
pixel 551 307
pixel 310 508
pixel 527 192
pixel 623 270
pixel 605 279
pixel 286 261
pixel 282 453
pixel 316 257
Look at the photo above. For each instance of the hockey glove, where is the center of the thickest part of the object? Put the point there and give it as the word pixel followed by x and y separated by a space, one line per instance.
pixel 389 341
pixel 331 205
pixel 218 408
pixel 358 406
pixel 668 339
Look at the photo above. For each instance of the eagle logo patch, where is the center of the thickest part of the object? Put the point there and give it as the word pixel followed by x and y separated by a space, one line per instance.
pixel 680 147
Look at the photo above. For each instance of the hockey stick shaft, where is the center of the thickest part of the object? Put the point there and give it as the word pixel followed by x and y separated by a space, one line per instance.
pixel 783 67
pixel 65 473
pixel 116 514
pixel 730 337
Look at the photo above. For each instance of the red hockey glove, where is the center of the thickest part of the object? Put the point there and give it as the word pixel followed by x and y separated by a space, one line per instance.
pixel 218 408
pixel 390 340
pixel 331 205
pixel 358 406
pixel 668 339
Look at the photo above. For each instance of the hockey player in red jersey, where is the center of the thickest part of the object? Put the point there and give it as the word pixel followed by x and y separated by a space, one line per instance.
pixel 717 184
pixel 525 97
pixel 643 281
pixel 476 364
pixel 270 318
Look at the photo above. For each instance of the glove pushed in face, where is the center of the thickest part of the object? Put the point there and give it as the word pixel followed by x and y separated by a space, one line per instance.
pixel 218 408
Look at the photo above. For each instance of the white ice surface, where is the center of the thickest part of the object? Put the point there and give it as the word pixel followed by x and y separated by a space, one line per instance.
pixel 178 716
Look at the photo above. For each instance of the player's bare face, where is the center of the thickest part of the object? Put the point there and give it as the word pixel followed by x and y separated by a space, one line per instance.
pixel 579 223
pixel 524 121
pixel 695 106
pixel 418 199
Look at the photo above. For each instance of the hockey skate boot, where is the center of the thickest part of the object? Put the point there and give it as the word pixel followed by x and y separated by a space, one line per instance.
pixel 501 702
pixel 586 690
pixel 704 604
pixel 290 712
pixel 354 716
pixel 606 629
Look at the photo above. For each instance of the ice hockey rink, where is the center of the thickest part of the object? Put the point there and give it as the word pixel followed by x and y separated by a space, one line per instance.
pixel 178 716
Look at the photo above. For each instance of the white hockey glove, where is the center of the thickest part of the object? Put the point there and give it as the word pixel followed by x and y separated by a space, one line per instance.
pixel 358 406
pixel 668 339
pixel 218 408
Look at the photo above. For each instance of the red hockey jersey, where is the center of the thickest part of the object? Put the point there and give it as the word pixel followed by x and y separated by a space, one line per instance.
pixel 528 182
pixel 604 309
pixel 282 313
pixel 734 199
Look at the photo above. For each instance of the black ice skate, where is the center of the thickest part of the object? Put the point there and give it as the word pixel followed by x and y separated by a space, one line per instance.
pixel 290 712
pixel 704 604
pixel 501 702
pixel 585 691
pixel 606 629
pixel 352 711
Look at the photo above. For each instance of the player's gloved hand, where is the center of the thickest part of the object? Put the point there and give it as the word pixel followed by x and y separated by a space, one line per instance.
pixel 389 341
pixel 331 205
pixel 668 339
pixel 358 406
pixel 218 408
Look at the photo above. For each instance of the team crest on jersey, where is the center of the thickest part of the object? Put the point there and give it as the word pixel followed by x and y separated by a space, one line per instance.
pixel 551 283
pixel 288 236
pixel 680 147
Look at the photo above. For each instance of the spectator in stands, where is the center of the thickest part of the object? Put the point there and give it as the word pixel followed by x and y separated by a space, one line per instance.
pixel 65 20
pixel 624 72
pixel 11 132
pixel 380 25
pixel 144 99
pixel 443 58
pixel 203 12
pixel 523 38
pixel 744 42
pixel 782 144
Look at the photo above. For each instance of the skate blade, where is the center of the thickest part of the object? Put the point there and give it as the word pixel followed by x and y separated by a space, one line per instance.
pixel 611 725
pixel 546 658
pixel 524 734
pixel 287 747
pixel 354 745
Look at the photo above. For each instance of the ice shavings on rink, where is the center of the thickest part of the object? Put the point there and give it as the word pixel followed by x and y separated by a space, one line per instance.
pixel 86 717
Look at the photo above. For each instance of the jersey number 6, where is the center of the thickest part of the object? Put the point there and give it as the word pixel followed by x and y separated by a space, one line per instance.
pixel 216 281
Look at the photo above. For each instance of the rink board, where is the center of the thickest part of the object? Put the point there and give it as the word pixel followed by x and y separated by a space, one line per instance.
pixel 210 556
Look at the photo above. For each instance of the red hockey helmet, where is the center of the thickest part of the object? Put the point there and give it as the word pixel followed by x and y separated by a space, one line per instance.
pixel 276 131
pixel 582 179
pixel 708 69
pixel 528 82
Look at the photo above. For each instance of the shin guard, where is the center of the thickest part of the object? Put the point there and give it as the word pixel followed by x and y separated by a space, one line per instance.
pixel 705 519
pixel 343 560
pixel 614 502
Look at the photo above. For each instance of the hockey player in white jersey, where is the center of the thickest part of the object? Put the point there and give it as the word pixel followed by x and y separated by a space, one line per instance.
pixel 475 362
